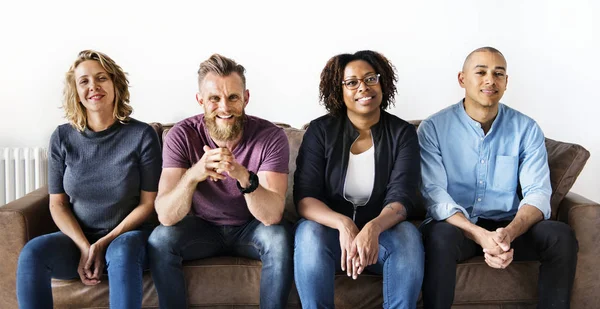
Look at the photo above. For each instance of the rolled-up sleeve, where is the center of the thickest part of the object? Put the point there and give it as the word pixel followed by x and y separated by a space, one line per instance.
pixel 309 178
pixel 434 180
pixel 534 173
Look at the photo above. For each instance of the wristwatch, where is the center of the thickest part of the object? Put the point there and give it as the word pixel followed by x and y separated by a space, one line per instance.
pixel 253 179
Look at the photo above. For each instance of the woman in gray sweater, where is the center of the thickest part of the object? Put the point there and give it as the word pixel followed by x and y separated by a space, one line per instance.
pixel 103 172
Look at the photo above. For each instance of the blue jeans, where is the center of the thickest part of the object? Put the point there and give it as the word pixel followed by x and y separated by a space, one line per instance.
pixel 56 256
pixel 194 238
pixel 317 256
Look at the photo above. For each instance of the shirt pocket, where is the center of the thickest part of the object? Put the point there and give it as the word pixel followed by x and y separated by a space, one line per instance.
pixel 505 173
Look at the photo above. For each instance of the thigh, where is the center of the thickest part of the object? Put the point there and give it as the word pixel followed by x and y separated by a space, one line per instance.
pixel 404 241
pixel 530 245
pixel 254 238
pixel 443 238
pixel 56 251
pixel 191 238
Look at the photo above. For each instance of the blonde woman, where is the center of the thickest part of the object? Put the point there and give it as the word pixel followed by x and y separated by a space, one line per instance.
pixel 103 176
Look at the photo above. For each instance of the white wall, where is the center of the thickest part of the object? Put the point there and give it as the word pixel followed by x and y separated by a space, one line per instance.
pixel 551 48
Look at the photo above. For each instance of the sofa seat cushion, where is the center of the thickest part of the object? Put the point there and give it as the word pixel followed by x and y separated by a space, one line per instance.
pixel 235 281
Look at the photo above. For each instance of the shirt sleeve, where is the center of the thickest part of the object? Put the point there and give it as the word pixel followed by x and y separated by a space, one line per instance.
pixel 277 153
pixel 534 173
pixel 405 175
pixel 434 184
pixel 150 161
pixel 175 149
pixel 56 164
pixel 309 178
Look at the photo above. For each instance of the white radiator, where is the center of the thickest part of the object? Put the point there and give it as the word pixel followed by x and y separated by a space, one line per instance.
pixel 22 170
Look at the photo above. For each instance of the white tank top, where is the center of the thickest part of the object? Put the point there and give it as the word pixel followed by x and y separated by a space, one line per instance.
pixel 360 177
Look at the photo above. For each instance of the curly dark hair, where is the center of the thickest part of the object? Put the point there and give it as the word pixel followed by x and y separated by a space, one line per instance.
pixel 330 88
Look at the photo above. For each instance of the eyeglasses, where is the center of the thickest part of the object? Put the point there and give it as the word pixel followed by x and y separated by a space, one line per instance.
pixel 354 83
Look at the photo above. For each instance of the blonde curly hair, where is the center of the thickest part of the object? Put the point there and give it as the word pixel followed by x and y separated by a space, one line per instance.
pixel 75 112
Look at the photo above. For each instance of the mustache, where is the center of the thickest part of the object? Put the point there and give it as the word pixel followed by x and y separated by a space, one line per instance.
pixel 214 115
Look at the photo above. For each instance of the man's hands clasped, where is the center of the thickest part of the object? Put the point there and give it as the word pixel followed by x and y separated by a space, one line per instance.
pixel 496 248
pixel 218 162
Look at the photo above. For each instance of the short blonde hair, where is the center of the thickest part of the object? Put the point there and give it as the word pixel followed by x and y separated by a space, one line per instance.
pixel 75 112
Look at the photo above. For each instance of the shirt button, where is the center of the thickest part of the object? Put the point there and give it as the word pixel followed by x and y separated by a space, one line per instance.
pixel 482 161
pixel 481 138
pixel 481 181
pixel 479 199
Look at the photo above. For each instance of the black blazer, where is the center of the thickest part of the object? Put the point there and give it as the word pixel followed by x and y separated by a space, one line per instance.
pixel 323 160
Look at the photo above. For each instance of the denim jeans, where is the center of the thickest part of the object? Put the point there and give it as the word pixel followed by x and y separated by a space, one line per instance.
pixel 552 243
pixel 56 256
pixel 194 238
pixel 317 256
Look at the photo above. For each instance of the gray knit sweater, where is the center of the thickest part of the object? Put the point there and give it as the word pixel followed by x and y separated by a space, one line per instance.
pixel 103 172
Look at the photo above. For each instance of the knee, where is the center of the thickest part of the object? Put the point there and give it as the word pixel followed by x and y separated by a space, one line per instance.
pixel 31 254
pixel 407 251
pixel 561 239
pixel 127 248
pixel 310 247
pixel 309 233
pixel 440 237
pixel 277 242
pixel 161 239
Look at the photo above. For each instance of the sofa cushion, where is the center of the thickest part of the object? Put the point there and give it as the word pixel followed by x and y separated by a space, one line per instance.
pixel 566 161
pixel 295 137
pixel 235 281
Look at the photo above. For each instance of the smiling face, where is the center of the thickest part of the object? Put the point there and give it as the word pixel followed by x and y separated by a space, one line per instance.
pixel 95 88
pixel 223 99
pixel 364 100
pixel 484 79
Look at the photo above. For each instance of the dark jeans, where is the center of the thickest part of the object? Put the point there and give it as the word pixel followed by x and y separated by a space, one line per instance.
pixel 194 238
pixel 552 243
pixel 56 256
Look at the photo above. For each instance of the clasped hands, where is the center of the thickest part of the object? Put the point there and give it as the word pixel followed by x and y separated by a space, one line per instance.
pixel 496 248
pixel 91 262
pixel 217 162
pixel 359 248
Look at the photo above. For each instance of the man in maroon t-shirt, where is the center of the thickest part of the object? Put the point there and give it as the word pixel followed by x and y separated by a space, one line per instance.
pixel 222 190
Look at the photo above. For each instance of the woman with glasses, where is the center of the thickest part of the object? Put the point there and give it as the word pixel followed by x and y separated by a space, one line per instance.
pixel 356 181
pixel 103 172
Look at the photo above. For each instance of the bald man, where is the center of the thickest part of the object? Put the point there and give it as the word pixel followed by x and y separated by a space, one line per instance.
pixel 474 155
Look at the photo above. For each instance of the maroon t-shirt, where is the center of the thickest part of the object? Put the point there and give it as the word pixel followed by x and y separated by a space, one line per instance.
pixel 263 147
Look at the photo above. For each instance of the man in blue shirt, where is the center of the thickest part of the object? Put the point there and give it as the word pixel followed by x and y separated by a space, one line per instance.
pixel 474 154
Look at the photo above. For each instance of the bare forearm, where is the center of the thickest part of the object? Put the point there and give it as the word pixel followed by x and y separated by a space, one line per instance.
pixel 132 221
pixel 266 206
pixel 471 230
pixel 391 215
pixel 174 205
pixel 66 222
pixel 315 210
pixel 526 217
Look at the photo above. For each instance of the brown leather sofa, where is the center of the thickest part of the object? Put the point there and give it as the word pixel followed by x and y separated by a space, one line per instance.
pixel 228 282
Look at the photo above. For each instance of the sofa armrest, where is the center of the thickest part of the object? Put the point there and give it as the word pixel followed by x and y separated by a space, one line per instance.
pixel 21 220
pixel 583 215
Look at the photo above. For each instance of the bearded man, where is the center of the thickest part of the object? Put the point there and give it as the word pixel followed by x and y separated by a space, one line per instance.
pixel 222 190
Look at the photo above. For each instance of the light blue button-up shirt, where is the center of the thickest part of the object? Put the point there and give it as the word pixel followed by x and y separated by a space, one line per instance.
pixel 465 170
